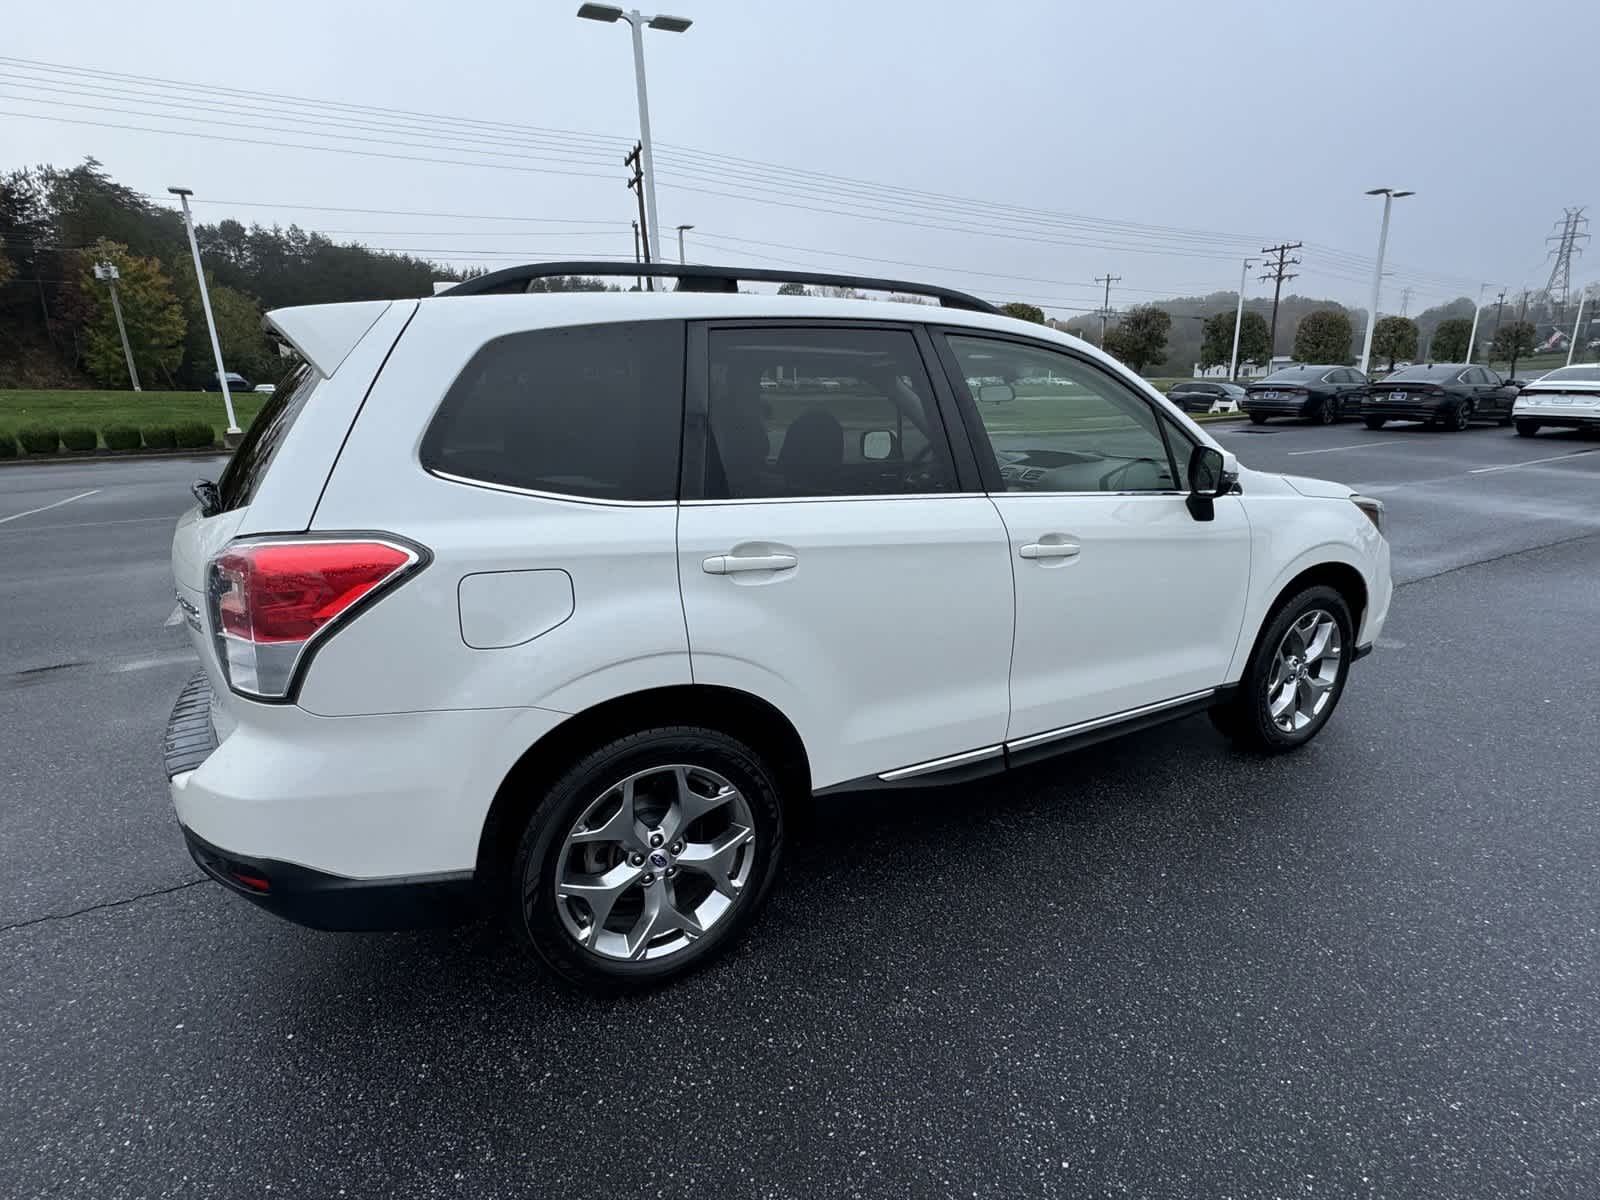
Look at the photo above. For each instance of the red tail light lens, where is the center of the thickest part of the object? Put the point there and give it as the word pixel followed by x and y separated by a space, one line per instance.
pixel 271 600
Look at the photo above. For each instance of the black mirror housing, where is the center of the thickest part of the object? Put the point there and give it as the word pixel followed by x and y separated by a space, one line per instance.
pixel 1208 479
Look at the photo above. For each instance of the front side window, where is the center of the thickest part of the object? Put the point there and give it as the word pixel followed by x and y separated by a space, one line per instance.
pixel 594 411
pixel 1090 433
pixel 797 412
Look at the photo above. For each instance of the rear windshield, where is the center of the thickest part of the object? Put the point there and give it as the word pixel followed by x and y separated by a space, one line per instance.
pixel 1572 375
pixel 1295 375
pixel 248 466
pixel 1434 371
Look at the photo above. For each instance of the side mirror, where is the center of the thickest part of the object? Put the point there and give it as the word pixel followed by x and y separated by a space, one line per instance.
pixel 206 493
pixel 877 445
pixel 1212 473
pixel 996 393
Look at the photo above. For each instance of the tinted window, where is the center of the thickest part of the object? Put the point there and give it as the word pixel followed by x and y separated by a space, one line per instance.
pixel 1437 373
pixel 593 411
pixel 1085 433
pixel 259 446
pixel 1572 375
pixel 1295 375
pixel 822 412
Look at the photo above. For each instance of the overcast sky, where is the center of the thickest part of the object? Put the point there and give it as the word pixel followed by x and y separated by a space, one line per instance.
pixel 1107 129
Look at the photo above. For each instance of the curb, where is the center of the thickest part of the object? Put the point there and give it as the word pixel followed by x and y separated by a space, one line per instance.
pixel 64 458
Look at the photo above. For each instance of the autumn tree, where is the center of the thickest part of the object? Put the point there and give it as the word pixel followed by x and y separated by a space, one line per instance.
pixel 1323 337
pixel 1514 340
pixel 1140 338
pixel 1394 337
pixel 150 313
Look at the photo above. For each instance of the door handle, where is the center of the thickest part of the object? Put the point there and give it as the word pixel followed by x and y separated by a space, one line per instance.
pixel 1050 550
pixel 733 564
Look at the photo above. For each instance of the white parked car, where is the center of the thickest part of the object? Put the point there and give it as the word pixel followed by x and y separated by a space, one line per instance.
pixel 1566 398
pixel 544 602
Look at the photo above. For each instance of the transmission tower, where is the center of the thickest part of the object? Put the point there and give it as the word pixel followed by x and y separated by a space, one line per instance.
pixel 1574 230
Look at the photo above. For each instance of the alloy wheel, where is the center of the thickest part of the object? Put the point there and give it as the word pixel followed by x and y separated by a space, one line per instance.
pixel 1304 671
pixel 655 862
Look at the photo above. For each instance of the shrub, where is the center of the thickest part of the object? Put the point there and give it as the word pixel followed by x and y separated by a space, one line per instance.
pixel 160 437
pixel 8 444
pixel 194 434
pixel 77 437
pixel 121 437
pixel 39 439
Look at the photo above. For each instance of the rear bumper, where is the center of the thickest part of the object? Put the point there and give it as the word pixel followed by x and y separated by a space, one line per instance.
pixel 1557 418
pixel 1277 408
pixel 1404 411
pixel 319 900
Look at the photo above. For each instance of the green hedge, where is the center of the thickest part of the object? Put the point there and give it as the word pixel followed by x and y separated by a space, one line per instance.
pixel 8 444
pixel 160 437
pixel 39 439
pixel 121 437
pixel 79 437
pixel 192 435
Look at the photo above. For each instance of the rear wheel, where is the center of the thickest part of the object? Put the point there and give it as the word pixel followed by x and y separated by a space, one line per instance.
pixel 648 857
pixel 1374 422
pixel 1459 417
pixel 1295 676
pixel 1327 411
pixel 1527 428
pixel 1258 418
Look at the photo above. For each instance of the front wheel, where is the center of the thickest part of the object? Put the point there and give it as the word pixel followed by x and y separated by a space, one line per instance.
pixel 1527 428
pixel 1374 422
pixel 648 857
pixel 1258 418
pixel 1295 676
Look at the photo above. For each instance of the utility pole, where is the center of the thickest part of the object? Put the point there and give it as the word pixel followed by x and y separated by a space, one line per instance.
pixel 108 271
pixel 1477 311
pixel 638 280
pixel 1583 298
pixel 1499 307
pixel 1278 272
pixel 1238 322
pixel 635 183
pixel 1105 310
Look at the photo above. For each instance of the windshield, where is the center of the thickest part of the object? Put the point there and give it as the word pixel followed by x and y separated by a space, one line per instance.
pixel 1434 372
pixel 1589 374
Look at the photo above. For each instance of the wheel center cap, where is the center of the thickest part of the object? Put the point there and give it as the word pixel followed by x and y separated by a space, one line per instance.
pixel 659 860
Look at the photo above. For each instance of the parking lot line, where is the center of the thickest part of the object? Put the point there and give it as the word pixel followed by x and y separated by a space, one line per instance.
pixel 47 507
pixel 1332 449
pixel 1532 462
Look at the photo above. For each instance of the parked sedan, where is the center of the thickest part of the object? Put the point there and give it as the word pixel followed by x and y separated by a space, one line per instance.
pixel 1566 398
pixel 1206 395
pixel 1444 395
pixel 1319 394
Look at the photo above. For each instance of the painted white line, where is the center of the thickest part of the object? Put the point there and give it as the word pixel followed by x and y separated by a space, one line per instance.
pixel 145 664
pixel 1532 462
pixel 1334 449
pixel 48 507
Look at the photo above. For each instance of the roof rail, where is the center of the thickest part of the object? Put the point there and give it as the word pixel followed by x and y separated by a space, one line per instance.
pixel 698 278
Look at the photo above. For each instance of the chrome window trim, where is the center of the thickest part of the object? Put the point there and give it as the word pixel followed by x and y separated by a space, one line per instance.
pixel 543 495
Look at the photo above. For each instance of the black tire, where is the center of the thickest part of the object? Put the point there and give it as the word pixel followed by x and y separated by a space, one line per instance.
pixel 1245 717
pixel 1527 428
pixel 1327 412
pixel 1505 421
pixel 1258 418
pixel 535 866
pixel 1459 418
pixel 1374 422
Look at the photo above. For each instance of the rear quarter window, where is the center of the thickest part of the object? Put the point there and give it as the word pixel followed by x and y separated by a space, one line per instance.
pixel 259 446
pixel 592 411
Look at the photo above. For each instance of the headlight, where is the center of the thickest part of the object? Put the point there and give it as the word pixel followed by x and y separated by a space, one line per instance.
pixel 1373 509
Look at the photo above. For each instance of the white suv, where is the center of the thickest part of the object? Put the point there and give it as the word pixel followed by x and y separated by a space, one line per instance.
pixel 561 603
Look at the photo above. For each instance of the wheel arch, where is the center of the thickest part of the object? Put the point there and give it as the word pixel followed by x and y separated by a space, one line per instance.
pixel 737 713
pixel 1340 576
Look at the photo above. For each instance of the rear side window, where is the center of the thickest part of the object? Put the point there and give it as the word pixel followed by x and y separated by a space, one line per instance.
pixel 593 410
pixel 248 466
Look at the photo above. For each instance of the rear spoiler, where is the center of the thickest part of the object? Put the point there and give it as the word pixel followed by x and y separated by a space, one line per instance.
pixel 324 334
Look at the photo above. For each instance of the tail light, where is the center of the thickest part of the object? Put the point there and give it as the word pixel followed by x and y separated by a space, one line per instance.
pixel 272 601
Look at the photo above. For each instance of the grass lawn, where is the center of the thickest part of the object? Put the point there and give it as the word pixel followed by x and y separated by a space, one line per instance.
pixel 100 409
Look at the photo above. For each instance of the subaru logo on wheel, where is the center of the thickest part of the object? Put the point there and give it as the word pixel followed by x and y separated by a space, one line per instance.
pixel 658 859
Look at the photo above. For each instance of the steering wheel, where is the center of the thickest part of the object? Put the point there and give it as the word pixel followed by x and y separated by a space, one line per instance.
pixel 1111 481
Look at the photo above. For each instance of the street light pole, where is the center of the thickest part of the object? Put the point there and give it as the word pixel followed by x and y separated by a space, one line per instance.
pixel 1238 323
pixel 108 271
pixel 1472 338
pixel 681 228
pixel 232 435
pixel 637 22
pixel 1389 197
pixel 1583 298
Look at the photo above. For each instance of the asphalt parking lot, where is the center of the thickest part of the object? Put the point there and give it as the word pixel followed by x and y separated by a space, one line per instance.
pixel 1157 968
